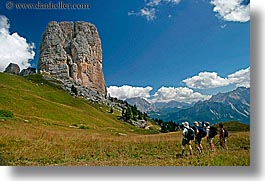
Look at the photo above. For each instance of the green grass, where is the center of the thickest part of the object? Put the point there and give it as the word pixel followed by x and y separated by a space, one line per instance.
pixel 236 126
pixel 49 127
pixel 43 104
pixel 5 114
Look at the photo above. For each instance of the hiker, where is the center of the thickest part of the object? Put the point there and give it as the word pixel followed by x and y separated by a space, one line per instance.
pixel 188 135
pixel 211 132
pixel 223 136
pixel 198 136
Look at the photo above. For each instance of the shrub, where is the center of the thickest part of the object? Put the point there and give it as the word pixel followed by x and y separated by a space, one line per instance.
pixel 83 127
pixel 2 161
pixel 6 114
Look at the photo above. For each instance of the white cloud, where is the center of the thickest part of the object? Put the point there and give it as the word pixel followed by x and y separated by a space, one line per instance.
pixel 126 92
pixel 164 94
pixel 172 1
pixel 13 47
pixel 241 78
pixel 228 10
pixel 4 24
pixel 223 26
pixel 153 3
pixel 232 10
pixel 206 80
pixel 148 13
pixel 180 94
pixel 150 8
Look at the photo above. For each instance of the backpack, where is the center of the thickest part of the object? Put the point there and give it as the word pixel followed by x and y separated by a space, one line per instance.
pixel 212 132
pixel 226 134
pixel 191 134
pixel 202 132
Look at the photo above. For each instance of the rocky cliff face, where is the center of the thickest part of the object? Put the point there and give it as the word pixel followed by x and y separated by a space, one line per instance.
pixel 28 71
pixel 12 68
pixel 71 52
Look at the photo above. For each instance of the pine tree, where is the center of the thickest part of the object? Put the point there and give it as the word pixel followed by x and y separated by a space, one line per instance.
pixel 140 115
pixel 134 111
pixel 145 116
pixel 128 114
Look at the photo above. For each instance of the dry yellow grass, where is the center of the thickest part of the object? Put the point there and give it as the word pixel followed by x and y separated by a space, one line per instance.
pixel 45 132
pixel 25 144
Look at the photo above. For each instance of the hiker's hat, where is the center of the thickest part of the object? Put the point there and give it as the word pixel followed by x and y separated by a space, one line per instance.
pixel 196 123
pixel 207 123
pixel 186 124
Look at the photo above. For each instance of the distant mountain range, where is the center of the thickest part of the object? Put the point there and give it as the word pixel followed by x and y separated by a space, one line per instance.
pixel 142 104
pixel 233 105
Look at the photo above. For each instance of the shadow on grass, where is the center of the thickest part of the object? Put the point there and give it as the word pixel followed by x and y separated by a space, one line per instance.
pixel 179 156
pixel 120 118
pixel 2 161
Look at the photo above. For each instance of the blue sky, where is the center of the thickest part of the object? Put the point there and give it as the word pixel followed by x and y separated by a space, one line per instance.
pixel 184 47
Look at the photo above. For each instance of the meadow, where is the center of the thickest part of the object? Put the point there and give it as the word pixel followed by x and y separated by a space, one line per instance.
pixel 52 128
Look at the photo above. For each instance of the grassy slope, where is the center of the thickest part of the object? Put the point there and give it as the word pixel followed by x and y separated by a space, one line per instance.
pixel 41 134
pixel 45 105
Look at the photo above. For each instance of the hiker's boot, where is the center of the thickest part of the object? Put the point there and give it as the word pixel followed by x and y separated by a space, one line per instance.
pixel 190 152
pixel 182 152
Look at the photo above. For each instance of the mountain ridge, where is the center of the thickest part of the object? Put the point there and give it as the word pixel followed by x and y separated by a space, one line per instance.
pixel 232 105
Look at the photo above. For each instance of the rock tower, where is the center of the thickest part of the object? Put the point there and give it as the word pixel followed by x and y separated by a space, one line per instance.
pixel 71 52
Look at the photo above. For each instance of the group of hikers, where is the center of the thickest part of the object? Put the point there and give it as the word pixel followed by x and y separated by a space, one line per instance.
pixel 197 132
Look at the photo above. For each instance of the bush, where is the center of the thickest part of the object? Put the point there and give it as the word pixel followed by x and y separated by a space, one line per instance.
pixel 2 161
pixel 83 127
pixel 6 114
